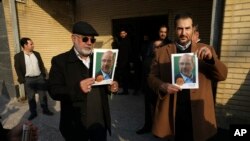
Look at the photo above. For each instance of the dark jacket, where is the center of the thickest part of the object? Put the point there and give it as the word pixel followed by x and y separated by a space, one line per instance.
pixel 66 72
pixel 20 65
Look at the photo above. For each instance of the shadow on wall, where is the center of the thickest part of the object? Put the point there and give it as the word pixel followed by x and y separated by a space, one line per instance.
pixel 61 10
pixel 236 110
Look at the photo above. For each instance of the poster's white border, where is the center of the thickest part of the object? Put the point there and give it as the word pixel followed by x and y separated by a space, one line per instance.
pixel 185 85
pixel 104 82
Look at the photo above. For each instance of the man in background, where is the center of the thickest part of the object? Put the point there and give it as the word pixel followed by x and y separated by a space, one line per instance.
pixel 31 72
pixel 163 35
pixel 196 34
pixel 123 44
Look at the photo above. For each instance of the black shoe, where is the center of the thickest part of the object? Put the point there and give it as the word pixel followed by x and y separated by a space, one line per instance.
pixel 32 116
pixel 48 112
pixel 143 131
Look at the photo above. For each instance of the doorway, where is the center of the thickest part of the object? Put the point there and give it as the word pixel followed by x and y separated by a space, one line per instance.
pixel 139 26
pixel 136 28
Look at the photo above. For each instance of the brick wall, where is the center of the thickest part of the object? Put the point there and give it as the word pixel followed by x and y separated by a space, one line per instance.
pixel 47 23
pixel 233 99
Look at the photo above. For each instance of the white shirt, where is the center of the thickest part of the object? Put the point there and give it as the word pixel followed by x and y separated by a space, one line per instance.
pixel 106 76
pixel 86 62
pixel 188 79
pixel 31 65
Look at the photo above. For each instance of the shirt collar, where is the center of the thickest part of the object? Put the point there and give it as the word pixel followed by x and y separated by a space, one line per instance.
pixel 86 62
pixel 105 74
pixel 28 53
pixel 188 79
pixel 181 47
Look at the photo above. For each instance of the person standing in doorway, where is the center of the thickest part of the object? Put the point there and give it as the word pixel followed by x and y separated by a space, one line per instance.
pixel 123 44
pixel 163 35
pixel 31 72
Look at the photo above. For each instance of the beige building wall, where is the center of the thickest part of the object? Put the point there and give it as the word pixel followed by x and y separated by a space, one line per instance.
pixel 47 23
pixel 233 99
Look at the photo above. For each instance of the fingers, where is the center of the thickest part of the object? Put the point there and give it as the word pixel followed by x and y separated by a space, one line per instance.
pixel 204 53
pixel 86 84
pixel 114 87
pixel 169 88
pixel 172 89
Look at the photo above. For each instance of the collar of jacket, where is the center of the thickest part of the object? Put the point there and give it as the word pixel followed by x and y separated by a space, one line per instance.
pixel 73 57
pixel 172 48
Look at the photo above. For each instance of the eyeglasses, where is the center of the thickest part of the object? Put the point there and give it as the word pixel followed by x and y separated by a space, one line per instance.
pixel 86 39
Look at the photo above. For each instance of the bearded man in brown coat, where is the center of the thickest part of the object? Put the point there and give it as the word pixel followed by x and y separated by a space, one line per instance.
pixel 187 113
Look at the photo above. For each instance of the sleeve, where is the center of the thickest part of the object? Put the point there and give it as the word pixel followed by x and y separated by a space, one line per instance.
pixel 56 82
pixel 154 80
pixel 214 68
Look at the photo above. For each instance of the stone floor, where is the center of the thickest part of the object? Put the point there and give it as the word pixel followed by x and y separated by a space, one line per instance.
pixel 127 113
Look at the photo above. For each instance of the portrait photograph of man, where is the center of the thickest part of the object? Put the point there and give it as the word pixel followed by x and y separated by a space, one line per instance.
pixel 104 65
pixel 185 70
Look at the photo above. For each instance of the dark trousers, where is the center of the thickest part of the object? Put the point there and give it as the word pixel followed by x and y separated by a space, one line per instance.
pixel 122 75
pixel 32 86
pixel 150 99
pixel 183 117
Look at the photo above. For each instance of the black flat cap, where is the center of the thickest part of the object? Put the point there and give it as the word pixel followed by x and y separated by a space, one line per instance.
pixel 83 28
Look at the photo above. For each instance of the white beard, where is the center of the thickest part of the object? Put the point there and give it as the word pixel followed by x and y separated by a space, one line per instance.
pixel 85 52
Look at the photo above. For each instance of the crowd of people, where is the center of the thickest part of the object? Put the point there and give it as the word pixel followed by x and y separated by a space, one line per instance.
pixel 170 112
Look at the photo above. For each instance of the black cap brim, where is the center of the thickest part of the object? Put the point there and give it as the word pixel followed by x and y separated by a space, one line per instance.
pixel 83 28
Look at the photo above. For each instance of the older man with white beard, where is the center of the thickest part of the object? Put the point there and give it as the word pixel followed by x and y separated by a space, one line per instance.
pixel 84 109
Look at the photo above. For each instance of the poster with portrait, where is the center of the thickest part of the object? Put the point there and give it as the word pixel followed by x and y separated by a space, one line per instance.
pixel 185 70
pixel 104 64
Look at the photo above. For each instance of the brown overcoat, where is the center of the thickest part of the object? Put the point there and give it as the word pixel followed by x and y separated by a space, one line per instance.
pixel 202 104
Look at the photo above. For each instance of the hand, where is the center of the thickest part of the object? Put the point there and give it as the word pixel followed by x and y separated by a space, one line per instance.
pixel 204 53
pixel 15 133
pixel 86 84
pixel 114 87
pixel 169 88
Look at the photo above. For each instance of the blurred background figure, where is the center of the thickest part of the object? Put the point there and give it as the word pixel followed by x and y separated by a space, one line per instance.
pixel 123 44
pixel 196 34
pixel 163 35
